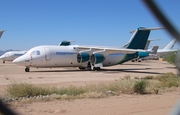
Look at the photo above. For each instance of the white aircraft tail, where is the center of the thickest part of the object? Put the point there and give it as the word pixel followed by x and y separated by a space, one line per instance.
pixel 148 42
pixel 170 45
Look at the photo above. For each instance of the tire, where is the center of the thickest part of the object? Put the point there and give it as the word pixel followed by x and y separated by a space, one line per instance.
pixel 26 69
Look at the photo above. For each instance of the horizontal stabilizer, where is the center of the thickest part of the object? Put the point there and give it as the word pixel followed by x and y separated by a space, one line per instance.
pixel 152 28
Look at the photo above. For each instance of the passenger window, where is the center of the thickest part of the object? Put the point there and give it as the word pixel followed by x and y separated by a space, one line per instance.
pixel 38 52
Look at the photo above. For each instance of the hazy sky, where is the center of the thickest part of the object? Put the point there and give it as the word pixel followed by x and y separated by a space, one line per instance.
pixel 30 23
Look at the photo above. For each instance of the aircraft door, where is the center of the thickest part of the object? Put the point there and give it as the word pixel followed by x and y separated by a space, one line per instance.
pixel 47 54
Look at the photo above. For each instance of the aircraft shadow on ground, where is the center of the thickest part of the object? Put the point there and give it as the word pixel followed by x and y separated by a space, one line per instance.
pixel 137 64
pixel 70 70
pixel 172 67
pixel 130 70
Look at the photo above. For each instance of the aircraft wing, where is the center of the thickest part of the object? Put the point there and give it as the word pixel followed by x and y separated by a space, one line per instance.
pixel 106 51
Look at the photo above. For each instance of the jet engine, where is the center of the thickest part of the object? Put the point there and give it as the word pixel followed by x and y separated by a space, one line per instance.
pixel 97 58
pixel 82 57
pixel 143 54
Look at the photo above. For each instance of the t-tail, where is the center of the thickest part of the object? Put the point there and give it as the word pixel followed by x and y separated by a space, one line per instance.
pixel 170 45
pixel 138 41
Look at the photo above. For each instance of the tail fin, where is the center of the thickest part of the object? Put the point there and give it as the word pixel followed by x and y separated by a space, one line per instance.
pixel 154 50
pixel 137 41
pixel 1 32
pixel 171 44
pixel 139 38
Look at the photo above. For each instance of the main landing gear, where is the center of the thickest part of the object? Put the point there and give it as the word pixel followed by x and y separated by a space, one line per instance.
pixel 27 69
pixel 96 68
pixel 3 61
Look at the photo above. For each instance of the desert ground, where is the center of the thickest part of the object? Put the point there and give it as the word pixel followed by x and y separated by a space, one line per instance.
pixel 149 104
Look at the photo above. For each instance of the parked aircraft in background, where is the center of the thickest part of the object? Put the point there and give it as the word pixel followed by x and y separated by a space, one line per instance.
pixel 161 53
pixel 11 55
pixel 148 42
pixel 167 49
pixel 48 56
pixel 151 52
pixel 1 32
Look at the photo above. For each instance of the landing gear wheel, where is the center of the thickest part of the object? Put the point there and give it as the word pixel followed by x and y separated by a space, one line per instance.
pixel 96 68
pixel 3 61
pixel 82 68
pixel 27 69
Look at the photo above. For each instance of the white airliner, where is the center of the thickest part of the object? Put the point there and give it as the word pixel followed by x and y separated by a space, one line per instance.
pixel 49 56
pixel 11 55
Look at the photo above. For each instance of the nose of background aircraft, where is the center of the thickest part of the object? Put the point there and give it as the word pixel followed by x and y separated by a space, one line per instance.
pixel 1 57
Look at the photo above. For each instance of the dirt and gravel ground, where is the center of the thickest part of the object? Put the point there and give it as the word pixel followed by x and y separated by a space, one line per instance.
pixel 116 105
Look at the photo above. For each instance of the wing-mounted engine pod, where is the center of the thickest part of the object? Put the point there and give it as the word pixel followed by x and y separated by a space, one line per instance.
pixel 82 57
pixel 97 58
pixel 143 54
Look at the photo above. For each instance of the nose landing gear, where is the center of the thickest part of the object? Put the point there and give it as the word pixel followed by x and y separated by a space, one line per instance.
pixel 27 69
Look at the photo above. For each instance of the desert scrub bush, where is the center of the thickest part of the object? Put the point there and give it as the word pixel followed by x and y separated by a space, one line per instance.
pixel 171 58
pixel 71 90
pixel 123 86
pixel 169 80
pixel 140 86
pixel 25 89
pixel 148 77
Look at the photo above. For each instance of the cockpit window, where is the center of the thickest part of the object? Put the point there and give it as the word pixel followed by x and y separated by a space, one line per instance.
pixel 37 52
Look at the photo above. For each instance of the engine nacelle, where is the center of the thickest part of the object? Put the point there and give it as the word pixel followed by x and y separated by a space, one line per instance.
pixel 97 58
pixel 82 57
pixel 143 54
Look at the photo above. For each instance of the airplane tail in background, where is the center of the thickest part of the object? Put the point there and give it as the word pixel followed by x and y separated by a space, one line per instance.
pixel 147 45
pixel 1 32
pixel 154 50
pixel 170 45
pixel 148 42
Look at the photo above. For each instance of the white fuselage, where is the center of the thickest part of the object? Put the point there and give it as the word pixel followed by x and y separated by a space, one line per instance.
pixel 60 56
pixel 163 52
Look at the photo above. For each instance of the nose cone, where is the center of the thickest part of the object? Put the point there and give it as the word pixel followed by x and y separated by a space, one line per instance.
pixel 19 61
pixel 22 60
pixel 2 57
